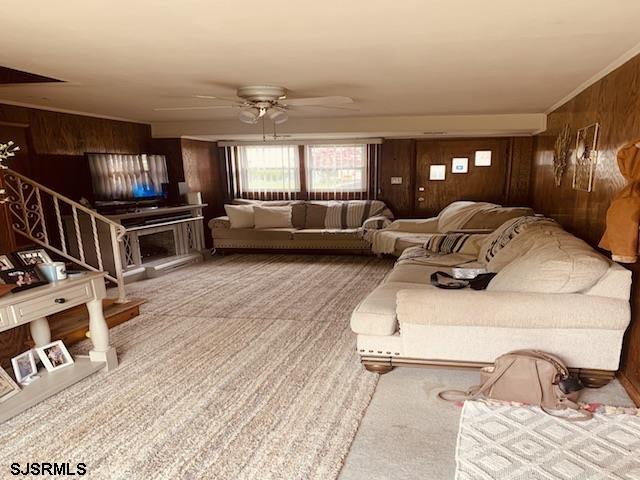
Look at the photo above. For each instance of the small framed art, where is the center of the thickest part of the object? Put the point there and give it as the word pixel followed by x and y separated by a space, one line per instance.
pixel 24 368
pixel 8 388
pixel 33 257
pixel 54 356
pixel 22 278
pixel 6 263
pixel 437 172
pixel 459 165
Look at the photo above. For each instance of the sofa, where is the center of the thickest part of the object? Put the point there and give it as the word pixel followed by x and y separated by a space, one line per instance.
pixel 299 225
pixel 458 216
pixel 551 292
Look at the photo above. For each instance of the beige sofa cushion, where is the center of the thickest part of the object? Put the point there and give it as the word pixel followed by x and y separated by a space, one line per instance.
pixel 506 234
pixel 298 208
pixel 272 217
pixel 376 314
pixel 495 217
pixel 315 215
pixel 253 234
pixel 556 262
pixel 510 309
pixel 240 216
pixel 324 234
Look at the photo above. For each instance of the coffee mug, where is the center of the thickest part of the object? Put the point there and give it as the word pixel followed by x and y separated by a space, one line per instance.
pixel 54 271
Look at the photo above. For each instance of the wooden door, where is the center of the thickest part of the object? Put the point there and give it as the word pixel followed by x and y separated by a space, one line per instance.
pixel 479 183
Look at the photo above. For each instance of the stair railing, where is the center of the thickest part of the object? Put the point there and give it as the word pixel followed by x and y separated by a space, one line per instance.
pixel 34 208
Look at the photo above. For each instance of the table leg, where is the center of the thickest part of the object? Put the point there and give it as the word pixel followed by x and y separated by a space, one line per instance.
pixel 40 331
pixel 101 351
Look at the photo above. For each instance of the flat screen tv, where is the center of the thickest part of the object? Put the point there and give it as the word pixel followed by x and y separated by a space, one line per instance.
pixel 127 178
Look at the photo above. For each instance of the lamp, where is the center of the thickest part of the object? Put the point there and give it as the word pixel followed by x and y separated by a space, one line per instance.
pixel 278 116
pixel 249 115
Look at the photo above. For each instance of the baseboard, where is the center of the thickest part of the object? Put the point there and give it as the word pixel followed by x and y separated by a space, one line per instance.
pixel 631 388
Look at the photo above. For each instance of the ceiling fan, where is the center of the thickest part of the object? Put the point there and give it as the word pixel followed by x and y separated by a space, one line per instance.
pixel 256 102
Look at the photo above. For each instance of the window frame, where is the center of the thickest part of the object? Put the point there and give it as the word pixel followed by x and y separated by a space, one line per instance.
pixel 364 169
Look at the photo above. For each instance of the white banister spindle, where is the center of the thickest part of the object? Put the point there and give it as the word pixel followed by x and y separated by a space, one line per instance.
pixel 43 221
pixel 76 224
pixel 96 242
pixel 63 240
pixel 115 244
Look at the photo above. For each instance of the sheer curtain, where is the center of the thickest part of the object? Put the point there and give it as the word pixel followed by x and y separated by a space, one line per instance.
pixel 340 172
pixel 267 172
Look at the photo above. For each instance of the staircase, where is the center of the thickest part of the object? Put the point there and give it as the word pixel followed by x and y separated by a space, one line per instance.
pixel 38 214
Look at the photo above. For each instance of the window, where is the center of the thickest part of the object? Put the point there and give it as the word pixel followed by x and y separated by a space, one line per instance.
pixel 269 168
pixel 336 168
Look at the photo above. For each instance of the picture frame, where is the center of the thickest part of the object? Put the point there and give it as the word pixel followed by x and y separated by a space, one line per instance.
pixel 54 356
pixel 24 367
pixel 437 172
pixel 34 256
pixel 460 165
pixel 6 263
pixel 586 157
pixel 8 388
pixel 23 278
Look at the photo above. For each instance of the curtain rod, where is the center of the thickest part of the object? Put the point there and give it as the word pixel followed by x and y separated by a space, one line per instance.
pixel 341 141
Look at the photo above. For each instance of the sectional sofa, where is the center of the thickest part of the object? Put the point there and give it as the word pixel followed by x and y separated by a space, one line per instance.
pixel 551 291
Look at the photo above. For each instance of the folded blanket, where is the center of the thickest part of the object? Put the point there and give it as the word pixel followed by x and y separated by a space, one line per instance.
pixel 422 256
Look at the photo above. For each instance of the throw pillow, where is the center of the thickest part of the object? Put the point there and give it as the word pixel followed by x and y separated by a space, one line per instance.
pixel 272 217
pixel 240 216
pixel 315 216
pixel 495 217
pixel 506 233
pixel 556 262
pixel 465 243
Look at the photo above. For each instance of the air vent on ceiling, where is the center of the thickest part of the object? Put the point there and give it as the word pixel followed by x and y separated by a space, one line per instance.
pixel 10 76
pixel 434 133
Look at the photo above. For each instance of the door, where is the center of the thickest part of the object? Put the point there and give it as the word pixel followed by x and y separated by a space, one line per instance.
pixel 483 179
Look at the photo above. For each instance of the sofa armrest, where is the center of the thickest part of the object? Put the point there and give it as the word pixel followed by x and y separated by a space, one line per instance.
pixel 417 225
pixel 487 308
pixel 376 223
pixel 219 222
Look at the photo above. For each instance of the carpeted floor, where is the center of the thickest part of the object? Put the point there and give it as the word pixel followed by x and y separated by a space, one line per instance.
pixel 243 367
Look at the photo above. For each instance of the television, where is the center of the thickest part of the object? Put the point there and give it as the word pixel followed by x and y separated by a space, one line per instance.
pixel 124 178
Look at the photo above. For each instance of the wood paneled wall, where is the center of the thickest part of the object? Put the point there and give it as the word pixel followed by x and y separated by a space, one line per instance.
pixel 199 165
pixel 506 182
pixel 52 152
pixel 614 102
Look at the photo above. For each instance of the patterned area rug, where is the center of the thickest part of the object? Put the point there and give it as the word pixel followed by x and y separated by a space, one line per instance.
pixel 501 442
pixel 243 367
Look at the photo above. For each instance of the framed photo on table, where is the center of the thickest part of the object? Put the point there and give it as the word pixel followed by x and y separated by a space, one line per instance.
pixel 8 388
pixel 6 263
pixel 54 356
pixel 33 257
pixel 23 278
pixel 24 367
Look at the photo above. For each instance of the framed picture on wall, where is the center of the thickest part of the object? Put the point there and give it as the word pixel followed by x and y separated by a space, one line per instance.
pixel 459 165
pixel 437 172
pixel 586 157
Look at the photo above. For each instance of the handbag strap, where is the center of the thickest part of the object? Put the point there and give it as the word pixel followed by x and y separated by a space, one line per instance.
pixel 477 390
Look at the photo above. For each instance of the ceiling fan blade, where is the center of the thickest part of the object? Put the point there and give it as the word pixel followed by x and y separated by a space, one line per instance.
pixel 211 97
pixel 210 107
pixel 298 108
pixel 318 101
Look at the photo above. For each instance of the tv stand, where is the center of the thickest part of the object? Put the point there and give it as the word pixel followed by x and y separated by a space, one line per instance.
pixel 158 240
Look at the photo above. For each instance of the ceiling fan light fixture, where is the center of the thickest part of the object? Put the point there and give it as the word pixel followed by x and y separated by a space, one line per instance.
pixel 249 116
pixel 278 116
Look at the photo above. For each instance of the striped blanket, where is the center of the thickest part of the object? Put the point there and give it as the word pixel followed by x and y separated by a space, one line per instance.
pixel 354 213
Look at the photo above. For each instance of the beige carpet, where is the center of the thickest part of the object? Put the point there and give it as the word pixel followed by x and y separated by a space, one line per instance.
pixel 241 368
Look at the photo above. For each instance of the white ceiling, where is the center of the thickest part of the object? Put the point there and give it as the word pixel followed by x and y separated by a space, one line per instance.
pixel 421 58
